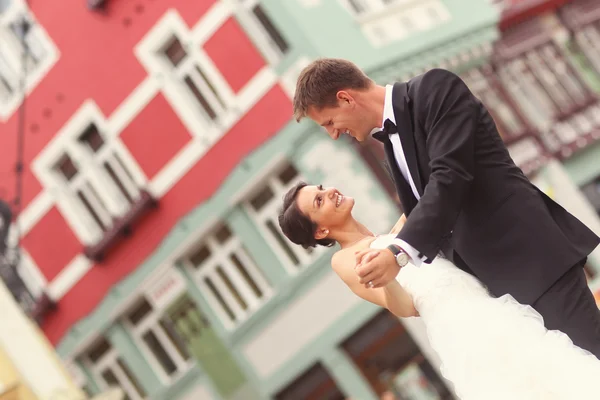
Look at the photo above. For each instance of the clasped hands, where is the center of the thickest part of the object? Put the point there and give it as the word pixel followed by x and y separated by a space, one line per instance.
pixel 377 267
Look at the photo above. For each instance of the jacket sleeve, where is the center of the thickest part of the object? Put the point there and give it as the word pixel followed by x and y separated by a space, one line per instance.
pixel 449 113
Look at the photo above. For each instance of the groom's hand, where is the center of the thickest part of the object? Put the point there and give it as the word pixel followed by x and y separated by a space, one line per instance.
pixel 376 268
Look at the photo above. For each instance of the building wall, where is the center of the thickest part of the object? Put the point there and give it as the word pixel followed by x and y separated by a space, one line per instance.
pixel 133 101
pixel 289 290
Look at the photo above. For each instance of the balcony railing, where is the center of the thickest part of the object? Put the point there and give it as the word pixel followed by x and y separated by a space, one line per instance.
pixel 122 227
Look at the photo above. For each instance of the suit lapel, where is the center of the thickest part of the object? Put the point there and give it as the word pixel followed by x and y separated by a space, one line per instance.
pixel 400 101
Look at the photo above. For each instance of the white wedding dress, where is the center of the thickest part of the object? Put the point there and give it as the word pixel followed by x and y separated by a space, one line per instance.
pixel 494 348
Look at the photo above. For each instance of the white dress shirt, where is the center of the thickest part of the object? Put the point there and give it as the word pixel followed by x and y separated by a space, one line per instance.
pixel 388 113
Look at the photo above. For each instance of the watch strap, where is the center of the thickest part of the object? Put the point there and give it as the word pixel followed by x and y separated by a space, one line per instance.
pixel 394 249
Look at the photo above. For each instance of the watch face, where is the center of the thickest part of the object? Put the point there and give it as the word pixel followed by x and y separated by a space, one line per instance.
pixel 402 259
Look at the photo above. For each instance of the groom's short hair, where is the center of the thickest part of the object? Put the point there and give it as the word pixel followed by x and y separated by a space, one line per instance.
pixel 319 82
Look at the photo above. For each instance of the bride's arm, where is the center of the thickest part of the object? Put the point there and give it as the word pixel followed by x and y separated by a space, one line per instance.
pixel 392 296
pixel 399 224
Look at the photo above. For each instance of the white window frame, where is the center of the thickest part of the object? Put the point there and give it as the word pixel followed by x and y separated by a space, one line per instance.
pixel 266 44
pixel 384 23
pixel 11 57
pixel 109 361
pixel 90 172
pixel 588 39
pixel 540 82
pixel 219 257
pixel 270 212
pixel 150 322
pixel 543 73
pixel 524 87
pixel 372 7
pixel 197 57
pixel 150 52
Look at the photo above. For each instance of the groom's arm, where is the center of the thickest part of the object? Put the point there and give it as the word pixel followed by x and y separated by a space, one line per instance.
pixel 450 115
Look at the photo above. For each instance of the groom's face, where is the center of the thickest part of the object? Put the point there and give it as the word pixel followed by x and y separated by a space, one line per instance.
pixel 344 118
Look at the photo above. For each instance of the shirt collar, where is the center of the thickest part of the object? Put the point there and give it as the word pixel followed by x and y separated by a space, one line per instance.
pixel 388 109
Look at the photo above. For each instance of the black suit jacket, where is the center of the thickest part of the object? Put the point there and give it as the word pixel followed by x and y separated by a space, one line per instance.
pixel 476 205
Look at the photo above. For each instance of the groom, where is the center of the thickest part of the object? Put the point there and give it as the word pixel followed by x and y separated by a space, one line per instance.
pixel 463 196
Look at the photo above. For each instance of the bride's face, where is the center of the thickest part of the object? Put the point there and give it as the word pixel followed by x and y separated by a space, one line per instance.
pixel 326 207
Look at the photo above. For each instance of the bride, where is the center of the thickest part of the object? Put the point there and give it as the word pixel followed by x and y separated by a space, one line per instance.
pixel 490 348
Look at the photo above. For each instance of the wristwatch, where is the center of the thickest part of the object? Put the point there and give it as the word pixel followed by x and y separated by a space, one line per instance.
pixel 401 256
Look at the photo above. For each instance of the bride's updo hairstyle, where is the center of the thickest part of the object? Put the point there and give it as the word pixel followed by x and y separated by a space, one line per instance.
pixel 295 225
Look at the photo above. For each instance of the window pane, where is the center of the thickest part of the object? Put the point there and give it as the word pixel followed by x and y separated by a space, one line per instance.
pixel 219 298
pixel 223 234
pixel 232 289
pixel 175 339
pixel 22 31
pixel 201 99
pixel 210 86
pixel 159 352
pixel 132 379
pixel 66 167
pixel 259 201
pixel 244 273
pixel 175 52
pixel 110 378
pixel 199 256
pixel 117 181
pixel 143 309
pixel 98 350
pixel 288 174
pixel 92 138
pixel 282 242
pixel 90 209
pixel 357 6
pixel 271 30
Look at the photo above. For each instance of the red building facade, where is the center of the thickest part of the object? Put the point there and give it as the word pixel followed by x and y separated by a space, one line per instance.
pixel 136 115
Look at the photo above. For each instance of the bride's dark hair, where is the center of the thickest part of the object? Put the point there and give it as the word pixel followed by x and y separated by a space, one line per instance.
pixel 295 225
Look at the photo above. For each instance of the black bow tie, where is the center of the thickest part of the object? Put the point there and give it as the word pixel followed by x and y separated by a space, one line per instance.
pixel 388 128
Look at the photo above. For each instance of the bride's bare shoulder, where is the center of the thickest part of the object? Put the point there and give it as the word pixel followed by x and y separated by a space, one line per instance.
pixel 344 256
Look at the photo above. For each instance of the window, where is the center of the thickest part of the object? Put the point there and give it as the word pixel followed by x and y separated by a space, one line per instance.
pixel 363 7
pixel 209 99
pixel 551 96
pixel 262 28
pixel 386 21
pixel 232 283
pixel 264 207
pixel 25 52
pixel 192 82
pixel 101 187
pixel 480 83
pixel 588 39
pixel 159 340
pixel 109 370
pixel 544 84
